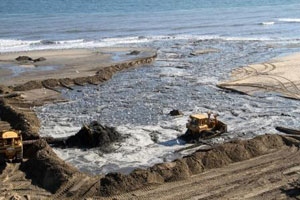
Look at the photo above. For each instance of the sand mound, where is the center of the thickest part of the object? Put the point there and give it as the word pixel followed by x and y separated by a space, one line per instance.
pixel 4 89
pixel 219 156
pixel 94 135
pixel 45 168
pixel 23 120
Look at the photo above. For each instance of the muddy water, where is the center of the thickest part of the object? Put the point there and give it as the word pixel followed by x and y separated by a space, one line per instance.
pixel 137 102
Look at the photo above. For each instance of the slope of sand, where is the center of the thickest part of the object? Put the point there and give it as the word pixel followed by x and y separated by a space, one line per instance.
pixel 281 75
pixel 265 167
pixel 265 177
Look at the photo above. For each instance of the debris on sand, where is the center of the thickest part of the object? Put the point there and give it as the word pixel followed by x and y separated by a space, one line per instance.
pixel 134 52
pixel 39 59
pixel 94 135
pixel 175 112
pixel 29 59
pixel 23 58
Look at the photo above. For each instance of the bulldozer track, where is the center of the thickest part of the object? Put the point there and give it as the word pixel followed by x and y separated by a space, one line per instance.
pixel 73 186
pixel 64 189
pixel 89 192
pixel 13 180
pixel 291 82
pixel 287 86
pixel 252 179
pixel 272 65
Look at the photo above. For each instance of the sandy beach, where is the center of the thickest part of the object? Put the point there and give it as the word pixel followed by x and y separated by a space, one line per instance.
pixel 280 75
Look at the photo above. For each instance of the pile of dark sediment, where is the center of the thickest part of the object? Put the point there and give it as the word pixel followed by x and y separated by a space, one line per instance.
pixel 94 135
pixel 45 168
pixel 220 156
pixel 29 59
pixel 175 113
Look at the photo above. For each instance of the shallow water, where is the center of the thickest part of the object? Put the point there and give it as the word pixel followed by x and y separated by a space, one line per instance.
pixel 17 70
pixel 137 102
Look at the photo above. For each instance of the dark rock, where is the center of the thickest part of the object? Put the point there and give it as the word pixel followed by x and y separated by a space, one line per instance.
pixel 135 52
pixel 94 135
pixel 39 59
pixel 175 113
pixel 23 58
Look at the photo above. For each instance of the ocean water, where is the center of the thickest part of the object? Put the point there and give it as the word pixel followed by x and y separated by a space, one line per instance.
pixel 137 101
pixel 41 24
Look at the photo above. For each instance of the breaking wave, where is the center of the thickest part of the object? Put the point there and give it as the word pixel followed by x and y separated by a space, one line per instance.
pixel 11 45
pixel 267 23
pixel 290 20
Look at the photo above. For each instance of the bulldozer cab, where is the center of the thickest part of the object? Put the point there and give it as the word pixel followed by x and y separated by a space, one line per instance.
pixel 10 138
pixel 199 120
pixel 204 126
pixel 11 146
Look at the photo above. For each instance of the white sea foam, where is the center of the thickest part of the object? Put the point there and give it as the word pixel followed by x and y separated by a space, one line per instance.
pixel 11 45
pixel 267 23
pixel 291 20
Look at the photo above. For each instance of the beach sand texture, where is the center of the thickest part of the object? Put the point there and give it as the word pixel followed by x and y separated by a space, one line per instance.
pixel 64 63
pixel 281 75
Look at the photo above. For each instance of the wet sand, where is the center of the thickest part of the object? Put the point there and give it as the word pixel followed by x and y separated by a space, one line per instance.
pixel 67 63
pixel 280 75
pixel 64 68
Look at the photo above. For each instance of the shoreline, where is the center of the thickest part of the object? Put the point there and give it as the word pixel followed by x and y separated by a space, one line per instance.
pixel 39 92
pixel 62 179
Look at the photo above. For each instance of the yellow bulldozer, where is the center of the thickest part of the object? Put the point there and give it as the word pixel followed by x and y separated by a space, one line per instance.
pixel 11 146
pixel 201 126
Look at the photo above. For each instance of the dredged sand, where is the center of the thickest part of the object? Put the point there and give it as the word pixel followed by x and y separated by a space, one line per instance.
pixel 280 75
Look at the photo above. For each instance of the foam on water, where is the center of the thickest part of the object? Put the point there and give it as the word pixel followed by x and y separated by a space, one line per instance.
pixel 291 20
pixel 267 23
pixel 23 45
pixel 137 103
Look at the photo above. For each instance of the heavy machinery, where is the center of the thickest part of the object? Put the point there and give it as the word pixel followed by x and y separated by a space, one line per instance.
pixel 201 126
pixel 11 146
